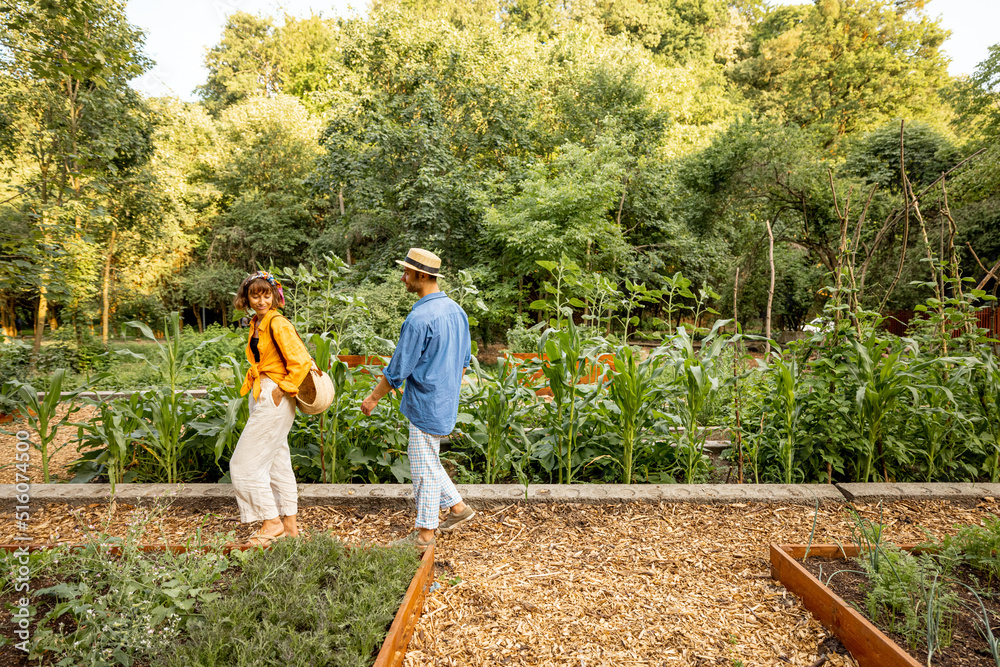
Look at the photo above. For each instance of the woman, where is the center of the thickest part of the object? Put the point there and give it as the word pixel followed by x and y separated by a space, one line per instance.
pixel 261 467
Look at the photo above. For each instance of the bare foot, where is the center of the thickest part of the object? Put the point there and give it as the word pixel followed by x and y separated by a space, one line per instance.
pixel 290 525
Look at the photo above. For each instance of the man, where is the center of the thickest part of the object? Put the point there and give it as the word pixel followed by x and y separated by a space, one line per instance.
pixel 434 350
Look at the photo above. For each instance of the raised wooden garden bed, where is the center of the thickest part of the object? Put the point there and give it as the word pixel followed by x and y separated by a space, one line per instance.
pixel 397 640
pixel 867 644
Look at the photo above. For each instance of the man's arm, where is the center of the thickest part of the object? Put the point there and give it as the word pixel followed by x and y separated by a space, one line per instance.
pixel 380 390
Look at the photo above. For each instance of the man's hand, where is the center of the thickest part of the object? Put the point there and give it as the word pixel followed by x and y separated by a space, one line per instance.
pixel 369 404
pixel 380 390
pixel 277 395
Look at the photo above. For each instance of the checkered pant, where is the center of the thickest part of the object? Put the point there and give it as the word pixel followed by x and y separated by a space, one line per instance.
pixel 432 488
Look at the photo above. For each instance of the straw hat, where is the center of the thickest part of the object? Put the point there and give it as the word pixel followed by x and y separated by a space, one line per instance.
pixel 315 392
pixel 423 261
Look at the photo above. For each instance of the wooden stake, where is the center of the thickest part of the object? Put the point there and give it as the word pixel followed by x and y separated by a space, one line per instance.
pixel 770 292
pixel 738 354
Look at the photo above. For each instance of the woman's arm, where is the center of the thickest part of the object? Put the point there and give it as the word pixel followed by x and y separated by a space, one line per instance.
pixel 293 350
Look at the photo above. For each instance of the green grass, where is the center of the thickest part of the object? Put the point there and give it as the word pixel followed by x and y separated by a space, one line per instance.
pixel 302 602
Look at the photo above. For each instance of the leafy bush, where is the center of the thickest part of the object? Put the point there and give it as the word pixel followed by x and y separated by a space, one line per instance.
pixel 301 602
pixel 115 609
pixel 910 594
pixel 14 357
pixel 211 347
pixel 521 340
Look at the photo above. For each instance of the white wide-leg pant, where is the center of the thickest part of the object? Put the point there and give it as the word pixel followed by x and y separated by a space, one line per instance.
pixel 261 467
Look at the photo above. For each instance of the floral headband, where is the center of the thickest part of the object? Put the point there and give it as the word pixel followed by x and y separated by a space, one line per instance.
pixel 271 280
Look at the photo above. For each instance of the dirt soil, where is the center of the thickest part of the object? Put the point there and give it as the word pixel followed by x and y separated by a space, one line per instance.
pixel 967 647
pixel 585 585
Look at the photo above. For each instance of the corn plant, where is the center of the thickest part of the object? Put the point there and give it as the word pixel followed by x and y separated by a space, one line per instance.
pixel 566 363
pixel 939 423
pixel 637 395
pixel 786 377
pixel 223 413
pixel 882 375
pixel 696 377
pixel 987 405
pixel 107 439
pixel 166 409
pixel 499 401
pixel 42 413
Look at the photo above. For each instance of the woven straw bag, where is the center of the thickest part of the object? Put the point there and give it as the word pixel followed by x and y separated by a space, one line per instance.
pixel 315 392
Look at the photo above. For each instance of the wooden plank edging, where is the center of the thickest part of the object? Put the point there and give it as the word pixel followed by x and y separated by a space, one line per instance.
pixel 867 644
pixel 398 639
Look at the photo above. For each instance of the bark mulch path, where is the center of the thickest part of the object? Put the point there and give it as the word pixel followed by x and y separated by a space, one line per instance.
pixel 588 585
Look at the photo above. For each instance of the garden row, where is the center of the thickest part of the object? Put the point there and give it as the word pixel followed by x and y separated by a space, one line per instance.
pixel 112 601
pixel 931 604
pixel 849 403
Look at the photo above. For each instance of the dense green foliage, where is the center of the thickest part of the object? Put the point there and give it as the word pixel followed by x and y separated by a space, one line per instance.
pixel 589 172
pixel 332 603
pixel 302 602
pixel 637 138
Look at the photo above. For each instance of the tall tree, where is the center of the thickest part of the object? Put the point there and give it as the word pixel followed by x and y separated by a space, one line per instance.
pixel 245 62
pixel 840 66
pixel 74 119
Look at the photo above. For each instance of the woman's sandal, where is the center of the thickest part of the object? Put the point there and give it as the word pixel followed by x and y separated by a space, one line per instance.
pixel 263 540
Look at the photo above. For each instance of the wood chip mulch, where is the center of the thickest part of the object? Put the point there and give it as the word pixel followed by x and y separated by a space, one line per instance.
pixel 588 585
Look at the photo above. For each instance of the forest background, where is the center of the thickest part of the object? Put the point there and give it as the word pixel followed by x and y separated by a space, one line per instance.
pixel 637 138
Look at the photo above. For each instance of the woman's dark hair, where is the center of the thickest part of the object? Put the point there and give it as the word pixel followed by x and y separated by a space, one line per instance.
pixel 256 286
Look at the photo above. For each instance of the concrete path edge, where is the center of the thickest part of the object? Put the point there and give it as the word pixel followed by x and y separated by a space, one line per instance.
pixel 368 496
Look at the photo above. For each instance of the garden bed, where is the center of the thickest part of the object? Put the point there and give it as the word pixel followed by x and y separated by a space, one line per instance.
pixel 834 588
pixel 606 584
pixel 221 604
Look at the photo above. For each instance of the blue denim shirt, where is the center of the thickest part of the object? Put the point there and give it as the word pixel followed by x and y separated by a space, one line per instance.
pixel 434 347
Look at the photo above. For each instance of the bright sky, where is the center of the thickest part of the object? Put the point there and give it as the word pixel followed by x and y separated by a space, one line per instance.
pixel 179 32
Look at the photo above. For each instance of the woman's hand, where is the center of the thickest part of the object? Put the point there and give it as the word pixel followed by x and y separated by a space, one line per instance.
pixel 277 395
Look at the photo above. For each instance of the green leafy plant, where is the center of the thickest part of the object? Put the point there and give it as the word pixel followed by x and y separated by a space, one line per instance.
pixel 317 599
pixel 881 372
pixel 986 404
pixel 786 373
pixel 909 593
pixel 499 401
pixel 166 410
pixel 637 395
pixel 565 274
pixel 115 608
pixel 107 441
pixel 566 359
pixel 43 415
pixel 697 376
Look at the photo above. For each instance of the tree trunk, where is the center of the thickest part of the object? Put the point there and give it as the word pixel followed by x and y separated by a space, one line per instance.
pixel 197 317
pixel 105 303
pixel 40 316
pixel 8 318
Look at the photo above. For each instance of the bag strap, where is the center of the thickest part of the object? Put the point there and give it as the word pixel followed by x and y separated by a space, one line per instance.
pixel 278 347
